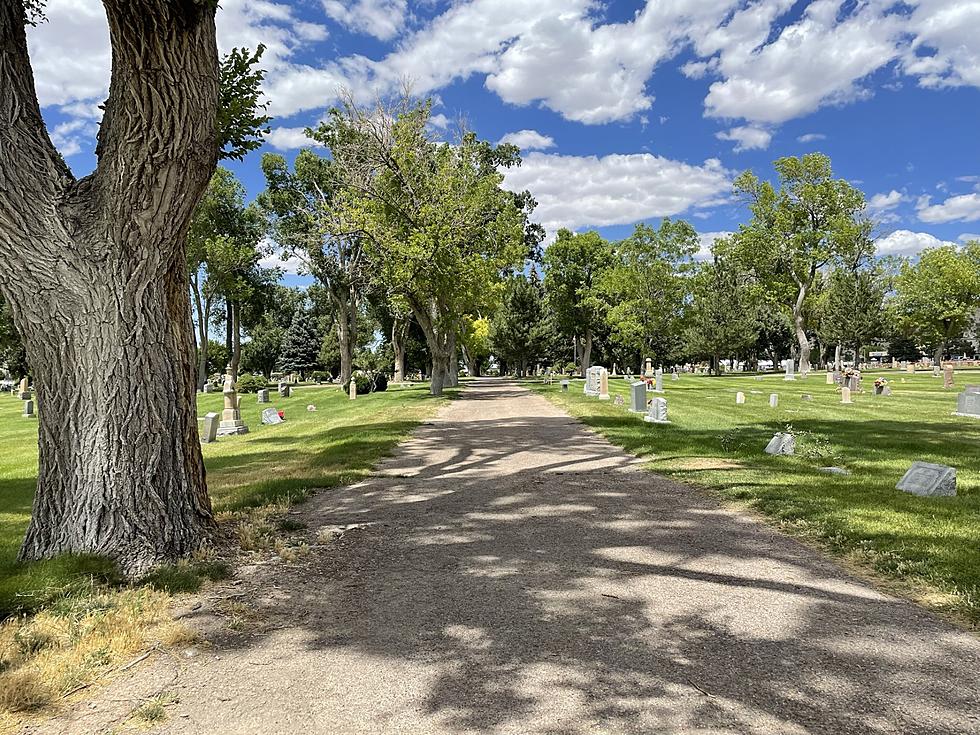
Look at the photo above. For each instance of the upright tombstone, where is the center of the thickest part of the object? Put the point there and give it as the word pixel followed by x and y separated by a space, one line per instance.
pixel 659 378
pixel 968 402
pixel 854 382
pixel 638 397
pixel 210 432
pixel 593 377
pixel 353 389
pixel 910 368
pixel 658 412
pixel 615 371
pixel 284 389
pixel 231 416
pixel 264 395
pixel 830 378
pixel 773 400
pixel 782 443
pixel 648 368
pixel 25 390
pixel 28 409
pixel 790 375
pixel 674 375
pixel 935 371
pixel 845 395
pixel 739 398
pixel 564 386
pixel 208 388
pixel 929 480
pixel 948 377
pixel 604 385
pixel 894 364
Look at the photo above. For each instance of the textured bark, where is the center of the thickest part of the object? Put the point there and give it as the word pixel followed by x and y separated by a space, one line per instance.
pixel 399 332
pixel 586 351
pixel 96 278
pixel 437 337
pixel 346 303
pixel 799 328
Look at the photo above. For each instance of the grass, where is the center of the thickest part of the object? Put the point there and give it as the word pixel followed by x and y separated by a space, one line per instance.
pixel 71 619
pixel 929 546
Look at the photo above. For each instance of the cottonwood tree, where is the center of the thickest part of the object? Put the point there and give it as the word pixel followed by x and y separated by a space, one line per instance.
pixel 811 220
pixel 95 274
pixel 438 228
pixel 574 268
pixel 939 295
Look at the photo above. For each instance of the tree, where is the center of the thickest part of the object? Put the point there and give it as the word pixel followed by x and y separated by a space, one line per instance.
pixel 13 357
pixel 223 260
pixel 520 327
pixel 647 288
pixel 305 221
pixel 474 338
pixel 938 296
pixel 96 279
pixel 301 344
pixel 438 228
pixel 241 124
pixel 851 306
pixel 261 352
pixel 574 266
pixel 724 312
pixel 810 221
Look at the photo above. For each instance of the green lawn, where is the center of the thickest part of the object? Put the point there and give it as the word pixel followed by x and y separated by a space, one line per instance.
pixel 716 444
pixel 337 444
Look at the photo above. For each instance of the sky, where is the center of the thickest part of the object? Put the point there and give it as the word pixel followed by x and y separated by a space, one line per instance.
pixel 626 111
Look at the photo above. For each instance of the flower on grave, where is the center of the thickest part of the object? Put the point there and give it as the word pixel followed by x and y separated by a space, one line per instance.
pixel 880 382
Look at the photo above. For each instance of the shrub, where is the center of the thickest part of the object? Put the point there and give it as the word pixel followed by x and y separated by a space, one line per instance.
pixel 320 376
pixel 365 383
pixel 251 383
pixel 380 382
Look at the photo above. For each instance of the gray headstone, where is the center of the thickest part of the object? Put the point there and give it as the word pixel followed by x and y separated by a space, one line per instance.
pixel 264 395
pixel 638 397
pixel 781 443
pixel 968 404
pixel 210 432
pixel 773 400
pixel 659 377
pixel 564 386
pixel 271 417
pixel 284 390
pixel 835 470
pixel 658 412
pixel 28 409
pixel 929 480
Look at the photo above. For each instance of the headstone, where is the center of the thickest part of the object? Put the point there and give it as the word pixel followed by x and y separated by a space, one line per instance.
pixel 24 392
pixel 638 396
pixel 311 408
pixel 782 443
pixel 929 480
pixel 773 400
pixel 28 409
pixel 739 398
pixel 968 402
pixel 284 389
pixel 648 368
pixel 659 377
pixel 210 432
pixel 593 379
pixel 834 470
pixel 886 391
pixel 604 385
pixel 264 395
pixel 353 389
pixel 271 417
pixel 936 373
pixel 564 386
pixel 838 377
pixel 806 397
pixel 619 401
pixel 674 375
pixel 615 371
pixel 894 364
pixel 830 379
pixel 947 376
pixel 789 370
pixel 231 416
pixel 658 412
pixel 910 368
pixel 208 388
pixel 845 395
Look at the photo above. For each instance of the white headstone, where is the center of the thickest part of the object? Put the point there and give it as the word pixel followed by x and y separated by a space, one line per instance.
pixel 830 379
pixel 789 370
pixel 739 398
pixel 659 377
pixel 929 480
pixel 968 402
pixel 658 412
pixel 782 443
pixel 271 417
pixel 845 395
pixel 353 389
pixel 773 400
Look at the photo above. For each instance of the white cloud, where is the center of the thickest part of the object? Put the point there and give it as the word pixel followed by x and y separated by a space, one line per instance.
pixel 962 208
pixel 747 138
pixel 588 191
pixel 383 19
pixel 529 140
pixel 811 137
pixel 884 202
pixel 946 49
pixel 904 242
pixel 707 240
pixel 288 139
pixel 969 237
pixel 72 137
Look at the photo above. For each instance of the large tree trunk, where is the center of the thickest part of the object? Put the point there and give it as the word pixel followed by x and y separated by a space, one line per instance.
pixel 95 274
pixel 452 368
pixel 437 337
pixel 801 337
pixel 586 351
pixel 346 333
pixel 399 332
pixel 235 318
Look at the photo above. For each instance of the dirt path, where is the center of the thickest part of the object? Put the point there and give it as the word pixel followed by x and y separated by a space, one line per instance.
pixel 520 575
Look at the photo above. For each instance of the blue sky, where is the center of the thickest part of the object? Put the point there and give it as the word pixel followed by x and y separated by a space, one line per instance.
pixel 627 110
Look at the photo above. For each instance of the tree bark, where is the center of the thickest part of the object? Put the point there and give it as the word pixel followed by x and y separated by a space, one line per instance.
pixel 346 304
pixel 429 318
pixel 202 307
pixel 452 366
pixel 96 278
pixel 801 336
pixel 399 332
pixel 586 351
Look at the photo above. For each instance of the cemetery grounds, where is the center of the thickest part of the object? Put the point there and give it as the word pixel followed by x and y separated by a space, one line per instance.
pixel 924 548
pixel 69 621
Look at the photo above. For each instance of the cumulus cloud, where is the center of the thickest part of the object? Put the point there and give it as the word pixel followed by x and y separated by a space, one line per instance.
pixel 529 140
pixel 288 139
pixel 881 205
pixel 589 191
pixel 383 19
pixel 747 138
pixel 962 208
pixel 707 241
pixel 905 242
pixel 811 137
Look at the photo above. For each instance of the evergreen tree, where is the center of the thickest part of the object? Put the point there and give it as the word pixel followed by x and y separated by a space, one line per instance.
pixel 301 344
pixel 520 328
